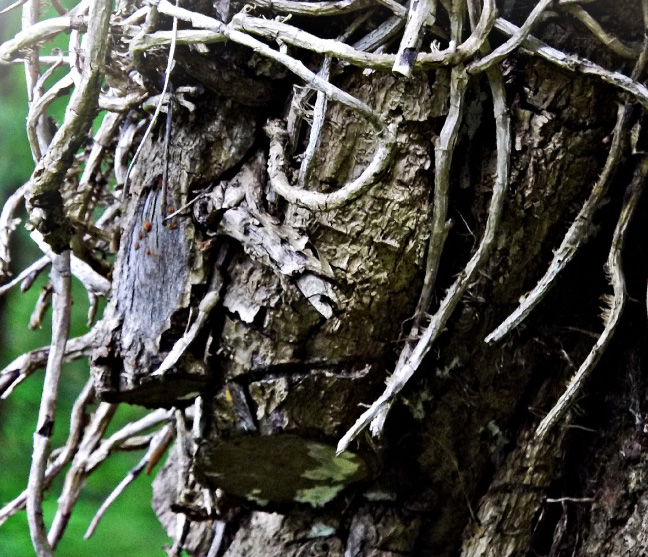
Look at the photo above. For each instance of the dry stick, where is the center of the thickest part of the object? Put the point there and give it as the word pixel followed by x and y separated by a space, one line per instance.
pixel 294 36
pixel 77 423
pixel 301 97
pixel 47 206
pixel 218 530
pixel 124 103
pixel 33 270
pixel 440 226
pixel 47 210
pixel 295 66
pixel 12 6
pixel 418 13
pixel 38 108
pixel 380 35
pixel 318 201
pixel 578 232
pixel 581 228
pixel 109 126
pixel 38 133
pixel 614 268
pixel 38 33
pixel 514 42
pixel 157 446
pixel 612 42
pixel 41 136
pixel 26 364
pixel 42 305
pixel 45 60
pixel 76 475
pixel 158 108
pixel 107 447
pixel 7 225
pixel 288 34
pixel 61 281
pixel 402 374
pixel 315 136
pixel 575 64
pixel 318 9
pixel 443 151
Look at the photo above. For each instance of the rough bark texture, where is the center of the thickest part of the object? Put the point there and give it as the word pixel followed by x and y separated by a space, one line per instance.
pixel 307 333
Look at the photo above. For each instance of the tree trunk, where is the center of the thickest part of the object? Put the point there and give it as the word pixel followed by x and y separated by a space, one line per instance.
pixel 311 309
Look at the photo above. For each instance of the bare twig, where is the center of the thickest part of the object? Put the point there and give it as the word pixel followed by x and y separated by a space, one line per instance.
pixel 314 9
pixel 8 224
pixel 443 152
pixel 614 269
pixel 157 446
pixel 295 66
pixel 61 280
pixel 580 229
pixel 45 199
pixel 42 305
pixel 77 473
pixel 578 232
pixel 23 366
pixel 77 423
pixel 91 280
pixel 612 42
pixel 514 42
pixel 103 137
pixel 37 33
pixel 28 275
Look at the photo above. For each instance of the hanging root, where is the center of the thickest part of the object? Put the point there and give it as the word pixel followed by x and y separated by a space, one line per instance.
pixel 614 270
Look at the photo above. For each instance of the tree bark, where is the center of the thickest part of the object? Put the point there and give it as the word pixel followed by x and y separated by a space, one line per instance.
pixel 313 308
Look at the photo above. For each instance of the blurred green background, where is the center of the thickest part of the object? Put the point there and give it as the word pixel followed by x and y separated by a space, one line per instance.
pixel 129 526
